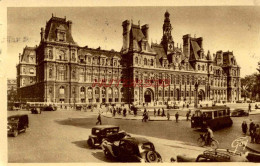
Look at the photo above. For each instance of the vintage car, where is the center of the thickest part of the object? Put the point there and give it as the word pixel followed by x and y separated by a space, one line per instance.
pixel 17 124
pixel 131 149
pixel 220 155
pixel 49 108
pixel 239 112
pixel 109 132
pixel 35 110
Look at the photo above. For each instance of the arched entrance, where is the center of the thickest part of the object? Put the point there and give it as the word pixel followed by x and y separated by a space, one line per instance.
pixel 148 96
pixel 201 95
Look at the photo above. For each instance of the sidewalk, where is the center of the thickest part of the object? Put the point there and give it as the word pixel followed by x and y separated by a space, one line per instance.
pixel 139 117
pixel 254 112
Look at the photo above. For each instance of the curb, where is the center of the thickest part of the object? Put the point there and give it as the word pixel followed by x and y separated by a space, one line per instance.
pixel 253 150
pixel 141 119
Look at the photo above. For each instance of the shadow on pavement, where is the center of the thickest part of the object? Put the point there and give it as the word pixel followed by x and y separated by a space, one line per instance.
pixel 100 155
pixel 82 144
pixel 78 122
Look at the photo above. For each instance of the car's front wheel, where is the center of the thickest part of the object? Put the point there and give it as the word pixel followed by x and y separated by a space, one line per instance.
pixel 152 157
pixel 91 142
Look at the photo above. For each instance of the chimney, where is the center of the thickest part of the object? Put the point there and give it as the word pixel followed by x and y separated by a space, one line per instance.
pixel 69 25
pixel 145 30
pixel 126 35
pixel 42 34
pixel 186 45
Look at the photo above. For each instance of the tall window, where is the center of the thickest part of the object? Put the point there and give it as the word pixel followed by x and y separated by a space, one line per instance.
pixel 82 90
pixel 50 54
pixel 136 60
pixel 198 67
pixel 62 90
pixel 50 73
pixel 151 62
pixel 82 75
pixel 145 61
pixel 62 73
pixel 73 74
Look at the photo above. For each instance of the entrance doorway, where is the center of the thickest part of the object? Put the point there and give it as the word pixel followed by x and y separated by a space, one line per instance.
pixel 178 94
pixel 201 95
pixel 148 96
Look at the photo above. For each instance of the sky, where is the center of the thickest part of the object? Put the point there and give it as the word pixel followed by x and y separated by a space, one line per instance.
pixel 226 28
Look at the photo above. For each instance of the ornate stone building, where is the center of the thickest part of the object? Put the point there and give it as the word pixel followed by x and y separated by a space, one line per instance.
pixel 141 72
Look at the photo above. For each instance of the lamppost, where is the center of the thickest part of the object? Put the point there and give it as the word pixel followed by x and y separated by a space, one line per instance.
pixel 196 95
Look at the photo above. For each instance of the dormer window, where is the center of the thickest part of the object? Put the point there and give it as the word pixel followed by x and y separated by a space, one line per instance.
pixel 61 33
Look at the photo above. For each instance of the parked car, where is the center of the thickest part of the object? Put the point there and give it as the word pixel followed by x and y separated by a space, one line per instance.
pixel 49 108
pixel 239 112
pixel 131 149
pixel 220 155
pixel 173 107
pixel 257 106
pixel 109 132
pixel 239 101
pixel 35 110
pixel 17 124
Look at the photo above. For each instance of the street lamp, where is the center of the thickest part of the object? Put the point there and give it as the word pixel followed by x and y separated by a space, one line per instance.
pixel 196 95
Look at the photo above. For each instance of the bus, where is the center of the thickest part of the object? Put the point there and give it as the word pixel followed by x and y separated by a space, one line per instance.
pixel 216 117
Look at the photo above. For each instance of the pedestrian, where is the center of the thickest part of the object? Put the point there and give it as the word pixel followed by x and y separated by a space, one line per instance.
pixel 249 107
pixel 244 127
pixel 163 112
pixel 252 130
pixel 168 115
pixel 257 134
pixel 144 115
pixel 99 119
pixel 124 112
pixel 154 112
pixel 188 115
pixel 177 116
pixel 183 105
pixel 188 105
pixel 159 112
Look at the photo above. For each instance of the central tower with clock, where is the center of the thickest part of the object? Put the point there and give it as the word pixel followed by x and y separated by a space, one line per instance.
pixel 167 40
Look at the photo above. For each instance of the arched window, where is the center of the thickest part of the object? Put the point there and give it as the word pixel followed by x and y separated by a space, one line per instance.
pixel 50 54
pixel 50 73
pixel 82 90
pixel 145 61
pixel 61 55
pixel 62 90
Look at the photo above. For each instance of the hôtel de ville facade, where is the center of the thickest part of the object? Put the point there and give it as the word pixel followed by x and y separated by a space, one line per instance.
pixel 61 71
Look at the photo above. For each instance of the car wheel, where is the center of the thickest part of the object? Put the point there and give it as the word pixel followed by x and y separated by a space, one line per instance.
pixel 151 157
pixel 15 134
pixel 200 142
pixel 91 143
pixel 107 154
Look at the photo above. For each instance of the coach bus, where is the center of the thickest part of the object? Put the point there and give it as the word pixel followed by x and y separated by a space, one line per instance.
pixel 216 117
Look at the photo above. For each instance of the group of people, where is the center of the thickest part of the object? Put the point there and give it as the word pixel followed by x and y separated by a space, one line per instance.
pixel 118 110
pixel 254 131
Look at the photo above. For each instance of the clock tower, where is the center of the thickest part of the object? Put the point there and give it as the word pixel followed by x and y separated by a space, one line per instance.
pixel 167 40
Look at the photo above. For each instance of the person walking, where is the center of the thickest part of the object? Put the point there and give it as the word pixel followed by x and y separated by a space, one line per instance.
pixel 159 111
pixel 154 112
pixel 188 115
pixel 144 115
pixel 177 117
pixel 163 112
pixel 124 112
pixel 244 127
pixel 249 107
pixel 168 115
pixel 252 130
pixel 99 119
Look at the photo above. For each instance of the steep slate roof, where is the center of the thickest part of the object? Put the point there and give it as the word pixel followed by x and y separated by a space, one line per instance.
pixel 31 51
pixel 195 49
pixel 98 52
pixel 160 53
pixel 57 23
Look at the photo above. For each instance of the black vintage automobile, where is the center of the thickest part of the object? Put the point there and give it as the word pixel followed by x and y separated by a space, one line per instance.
pixel 35 110
pixel 17 124
pixel 239 112
pixel 108 132
pixel 131 149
